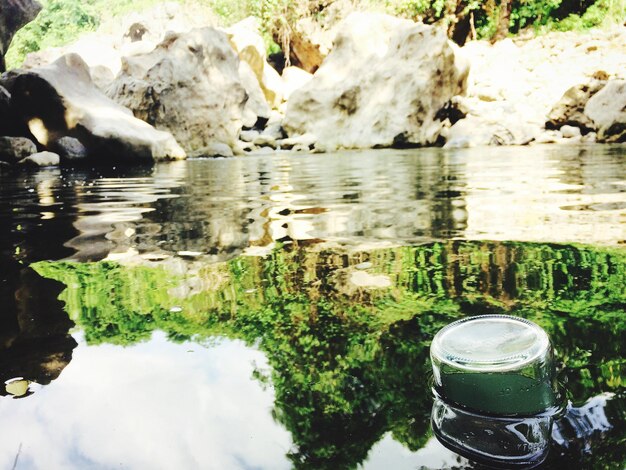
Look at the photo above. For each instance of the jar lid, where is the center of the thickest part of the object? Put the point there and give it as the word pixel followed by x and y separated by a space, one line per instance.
pixel 490 343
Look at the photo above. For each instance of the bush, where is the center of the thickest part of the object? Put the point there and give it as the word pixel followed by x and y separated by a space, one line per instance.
pixel 59 22
pixel 62 21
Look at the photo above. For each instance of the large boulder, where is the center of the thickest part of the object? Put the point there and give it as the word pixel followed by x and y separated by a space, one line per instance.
pixel 383 84
pixel 98 51
pixel 13 15
pixel 607 109
pixel 14 149
pixel 60 100
pixel 189 85
pixel 570 109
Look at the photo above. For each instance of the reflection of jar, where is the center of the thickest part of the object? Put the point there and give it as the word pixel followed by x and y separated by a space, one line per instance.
pixel 496 441
pixel 494 364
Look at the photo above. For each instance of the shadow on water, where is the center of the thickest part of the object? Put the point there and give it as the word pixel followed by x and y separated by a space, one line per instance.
pixel 347 334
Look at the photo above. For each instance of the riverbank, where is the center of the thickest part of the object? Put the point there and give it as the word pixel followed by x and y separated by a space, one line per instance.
pixel 164 85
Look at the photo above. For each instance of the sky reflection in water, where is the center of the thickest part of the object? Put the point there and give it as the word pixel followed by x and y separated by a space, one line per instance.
pixel 154 405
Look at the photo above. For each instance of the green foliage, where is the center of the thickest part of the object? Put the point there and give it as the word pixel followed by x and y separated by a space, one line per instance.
pixel 602 12
pixel 349 364
pixel 62 21
pixel 58 23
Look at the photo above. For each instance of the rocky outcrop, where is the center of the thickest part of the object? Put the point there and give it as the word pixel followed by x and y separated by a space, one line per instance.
pixel 607 109
pixel 518 88
pixel 13 15
pixel 382 85
pixel 136 33
pixel 570 109
pixel 14 149
pixel 98 51
pixel 60 100
pixel 189 85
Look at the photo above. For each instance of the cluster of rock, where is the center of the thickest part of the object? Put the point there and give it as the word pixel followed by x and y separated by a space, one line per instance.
pixel 157 87
pixel 541 90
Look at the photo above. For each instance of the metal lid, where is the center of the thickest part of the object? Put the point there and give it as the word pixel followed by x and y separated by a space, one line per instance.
pixel 490 343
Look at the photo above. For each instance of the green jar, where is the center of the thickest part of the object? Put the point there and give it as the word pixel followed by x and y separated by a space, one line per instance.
pixel 495 364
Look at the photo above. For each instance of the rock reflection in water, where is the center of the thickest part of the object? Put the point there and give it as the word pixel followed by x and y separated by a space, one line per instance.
pixel 35 344
pixel 222 208
pixel 349 361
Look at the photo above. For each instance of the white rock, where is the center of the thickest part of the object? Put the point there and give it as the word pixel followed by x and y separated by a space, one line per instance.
pixel 189 85
pixel 381 85
pixel 42 159
pixel 607 109
pixel 248 136
pixel 60 99
pixel 570 131
pixel 264 140
pixel 256 106
pixel 293 79
pixel 215 149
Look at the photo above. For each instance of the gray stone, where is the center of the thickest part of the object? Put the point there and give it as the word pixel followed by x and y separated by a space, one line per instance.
pixel 607 109
pixel 13 149
pixel 214 149
pixel 570 109
pixel 60 100
pixel 41 159
pixel 70 149
pixel 189 85
pixel 475 131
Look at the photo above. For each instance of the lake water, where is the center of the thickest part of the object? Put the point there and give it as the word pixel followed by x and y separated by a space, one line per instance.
pixel 276 312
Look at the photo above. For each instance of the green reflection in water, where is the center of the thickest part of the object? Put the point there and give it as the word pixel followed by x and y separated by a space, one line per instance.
pixel 349 356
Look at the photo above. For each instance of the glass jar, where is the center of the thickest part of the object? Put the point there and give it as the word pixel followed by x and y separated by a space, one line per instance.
pixel 495 364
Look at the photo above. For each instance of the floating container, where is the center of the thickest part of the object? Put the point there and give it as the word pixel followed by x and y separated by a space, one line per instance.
pixel 495 364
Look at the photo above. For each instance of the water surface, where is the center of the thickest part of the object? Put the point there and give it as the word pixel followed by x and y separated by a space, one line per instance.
pixel 276 312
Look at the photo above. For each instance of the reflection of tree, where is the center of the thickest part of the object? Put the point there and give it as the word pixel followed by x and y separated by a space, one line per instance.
pixel 34 339
pixel 348 363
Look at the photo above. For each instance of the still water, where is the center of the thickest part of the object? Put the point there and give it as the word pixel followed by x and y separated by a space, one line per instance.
pixel 277 312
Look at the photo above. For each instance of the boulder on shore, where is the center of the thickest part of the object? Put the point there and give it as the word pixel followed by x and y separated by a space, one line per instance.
pixel 13 15
pixel 60 100
pixel 570 109
pixel 41 159
pixel 189 85
pixel 382 85
pixel 14 149
pixel 607 109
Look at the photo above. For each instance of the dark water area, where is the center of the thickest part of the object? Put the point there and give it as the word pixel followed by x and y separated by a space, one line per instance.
pixel 277 311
